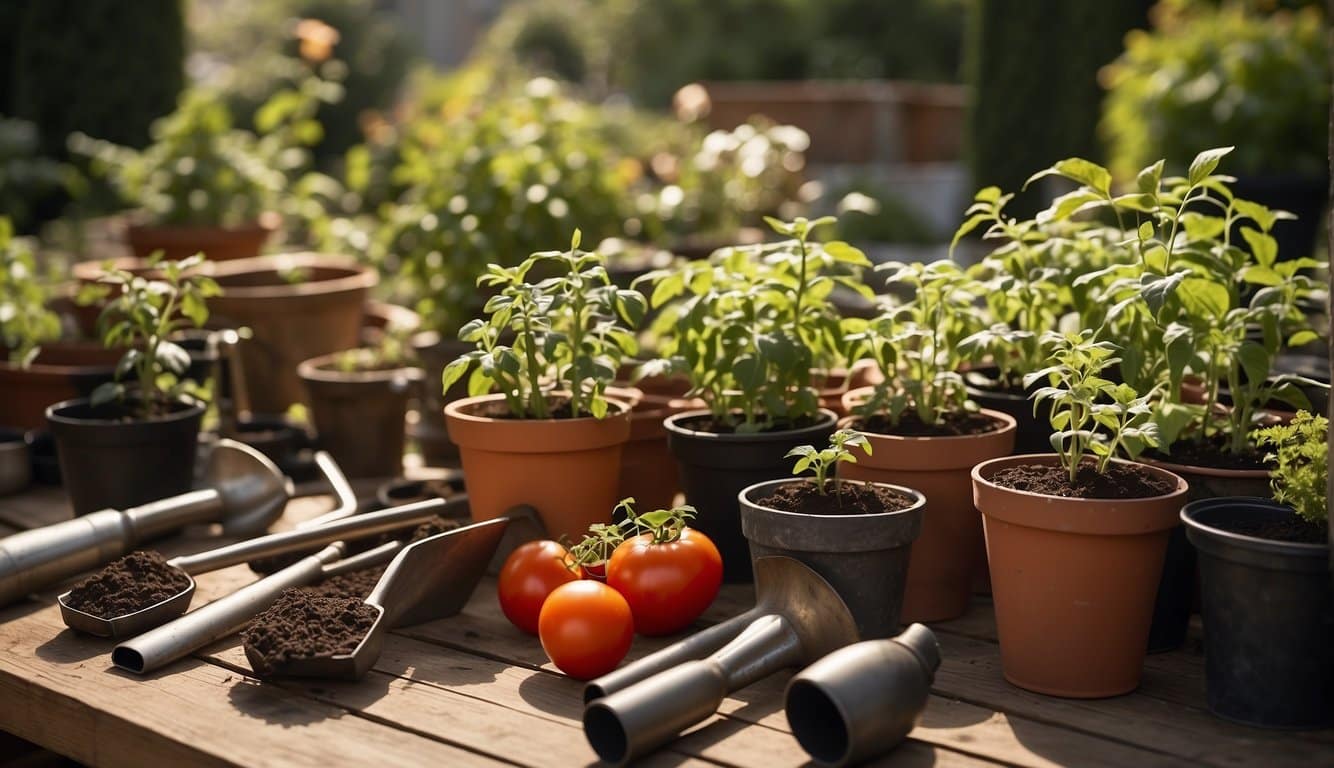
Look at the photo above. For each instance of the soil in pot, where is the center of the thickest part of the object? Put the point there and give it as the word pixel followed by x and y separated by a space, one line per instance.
pixel 949 557
pixel 566 468
pixel 130 584
pixel 716 464
pixel 1268 613
pixel 300 626
pixel 1074 578
pixel 860 545
pixel 108 458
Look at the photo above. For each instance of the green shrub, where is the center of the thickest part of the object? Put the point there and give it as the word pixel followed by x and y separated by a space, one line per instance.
pixel 1207 77
pixel 1301 464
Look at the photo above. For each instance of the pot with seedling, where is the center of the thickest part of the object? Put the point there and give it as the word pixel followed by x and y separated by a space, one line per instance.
pixel 747 327
pixel 1076 539
pixel 358 403
pixel 857 535
pixel 539 428
pixel 926 432
pixel 1266 599
pixel 132 443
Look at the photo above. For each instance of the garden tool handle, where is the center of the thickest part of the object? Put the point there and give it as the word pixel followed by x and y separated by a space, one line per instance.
pixel 303 538
pixel 218 619
pixel 342 491
pixel 363 560
pixel 148 521
pixel 42 556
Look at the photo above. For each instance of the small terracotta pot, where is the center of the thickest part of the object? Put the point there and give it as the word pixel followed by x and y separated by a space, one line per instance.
pixel 951 549
pixel 216 243
pixel 290 321
pixel 61 371
pixel 359 415
pixel 836 383
pixel 568 469
pixel 648 469
pixel 1073 580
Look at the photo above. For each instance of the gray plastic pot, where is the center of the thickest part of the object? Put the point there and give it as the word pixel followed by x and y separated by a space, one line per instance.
pixel 360 415
pixel 1268 618
pixel 715 467
pixel 863 557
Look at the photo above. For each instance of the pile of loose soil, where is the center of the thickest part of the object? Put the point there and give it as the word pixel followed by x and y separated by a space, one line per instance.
pixel 130 584
pixel 1121 481
pixel 299 626
pixel 1291 529
pixel 557 408
pixel 852 498
pixel 911 425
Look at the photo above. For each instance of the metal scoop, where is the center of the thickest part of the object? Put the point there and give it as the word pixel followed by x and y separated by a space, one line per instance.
pixel 244 492
pixel 801 618
pixel 131 624
pixel 430 579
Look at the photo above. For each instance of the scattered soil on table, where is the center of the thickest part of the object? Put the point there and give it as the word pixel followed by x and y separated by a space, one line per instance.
pixel 1121 481
pixel 130 584
pixel 1291 529
pixel 854 499
pixel 708 424
pixel 1211 454
pixel 910 425
pixel 299 626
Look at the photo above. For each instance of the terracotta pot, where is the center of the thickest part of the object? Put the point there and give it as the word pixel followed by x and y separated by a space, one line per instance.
pixel 648 470
pixel 569 469
pixel 89 273
pixel 61 371
pixel 359 415
pixel 216 243
pixel 1073 581
pixel 837 382
pixel 379 315
pixel 291 321
pixel 951 550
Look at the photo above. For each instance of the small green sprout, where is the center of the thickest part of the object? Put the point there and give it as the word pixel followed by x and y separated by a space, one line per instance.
pixel 824 463
pixel 1301 468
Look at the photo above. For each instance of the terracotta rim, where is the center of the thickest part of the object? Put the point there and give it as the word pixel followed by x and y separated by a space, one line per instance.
pixel 193 231
pixel 316 369
pixel 525 435
pixel 92 271
pixel 38 368
pixel 356 277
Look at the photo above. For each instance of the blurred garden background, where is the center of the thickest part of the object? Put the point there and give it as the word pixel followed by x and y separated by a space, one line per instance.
pixel 429 137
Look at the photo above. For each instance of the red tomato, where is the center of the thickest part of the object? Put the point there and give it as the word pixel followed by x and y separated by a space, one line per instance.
pixel 586 628
pixel 667 585
pixel 530 573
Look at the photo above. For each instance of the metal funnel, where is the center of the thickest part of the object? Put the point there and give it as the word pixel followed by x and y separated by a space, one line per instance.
pixel 245 493
pixel 430 579
pixel 861 701
pixel 798 617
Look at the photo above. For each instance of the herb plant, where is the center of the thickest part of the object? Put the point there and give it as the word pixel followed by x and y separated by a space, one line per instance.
pixel 1301 464
pixel 25 321
pixel 919 344
pixel 750 324
pixel 824 463
pixel 142 314
pixel 571 333
pixel 1091 415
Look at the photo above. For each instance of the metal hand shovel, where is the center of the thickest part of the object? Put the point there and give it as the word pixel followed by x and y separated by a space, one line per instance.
pixel 800 618
pixel 132 624
pixel 430 579
pixel 245 493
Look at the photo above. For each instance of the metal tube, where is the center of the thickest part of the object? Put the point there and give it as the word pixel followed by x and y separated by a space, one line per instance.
pixel 302 538
pixel 697 646
pixel 156 518
pixel 342 491
pixel 42 556
pixel 222 617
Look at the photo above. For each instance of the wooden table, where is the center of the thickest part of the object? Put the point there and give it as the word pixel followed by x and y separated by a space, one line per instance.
pixel 472 690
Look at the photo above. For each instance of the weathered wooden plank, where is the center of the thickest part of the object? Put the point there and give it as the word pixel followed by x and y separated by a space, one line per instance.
pixel 57 690
pixel 39 505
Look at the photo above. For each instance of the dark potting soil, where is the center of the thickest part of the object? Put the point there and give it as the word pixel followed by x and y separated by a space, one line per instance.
pixel 911 425
pixel 360 584
pixel 558 408
pixel 1291 529
pixel 1121 481
pixel 851 498
pixel 434 488
pixel 130 584
pixel 299 626
pixel 709 424
pixel 1210 454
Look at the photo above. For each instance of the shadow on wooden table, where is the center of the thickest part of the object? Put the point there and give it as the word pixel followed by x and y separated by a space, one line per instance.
pixel 70 647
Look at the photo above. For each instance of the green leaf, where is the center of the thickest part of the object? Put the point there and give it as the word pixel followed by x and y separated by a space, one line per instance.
pixel 1263 246
pixel 454 371
pixel 106 393
pixel 1204 298
pixel 1079 170
pixel 1204 164
pixel 1303 337
pixel 1148 180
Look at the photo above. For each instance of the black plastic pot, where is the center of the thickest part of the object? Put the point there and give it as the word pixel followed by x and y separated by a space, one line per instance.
pixel 404 491
pixel 1032 433
pixel 863 557
pixel 360 415
pixel 108 460
pixel 1268 618
pixel 716 467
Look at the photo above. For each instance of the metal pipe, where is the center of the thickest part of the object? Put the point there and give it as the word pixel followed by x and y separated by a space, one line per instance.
pixel 697 646
pixel 342 491
pixel 220 618
pixel 358 526
pixel 157 518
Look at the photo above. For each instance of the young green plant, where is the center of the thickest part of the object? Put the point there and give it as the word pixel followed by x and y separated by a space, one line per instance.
pixel 571 333
pixel 1091 416
pixel 1301 464
pixel 824 463
pixel 25 320
pixel 142 315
